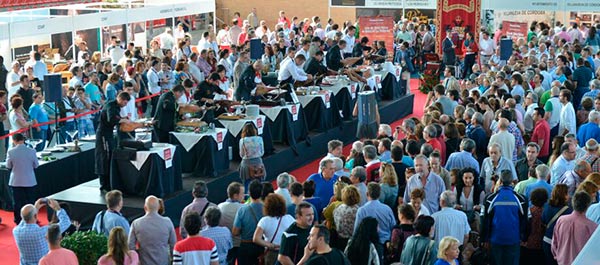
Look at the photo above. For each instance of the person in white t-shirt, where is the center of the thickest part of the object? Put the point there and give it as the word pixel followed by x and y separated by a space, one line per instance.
pixel 129 111
pixel 13 82
pixel 272 225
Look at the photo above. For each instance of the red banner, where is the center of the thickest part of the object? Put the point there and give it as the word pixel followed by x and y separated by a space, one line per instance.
pixel 378 28
pixel 459 16
pixel 11 5
pixel 514 30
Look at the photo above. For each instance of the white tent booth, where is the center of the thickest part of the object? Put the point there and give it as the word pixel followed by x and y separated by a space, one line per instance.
pixel 62 27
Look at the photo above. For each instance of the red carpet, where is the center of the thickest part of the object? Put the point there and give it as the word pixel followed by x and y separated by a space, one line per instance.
pixel 10 255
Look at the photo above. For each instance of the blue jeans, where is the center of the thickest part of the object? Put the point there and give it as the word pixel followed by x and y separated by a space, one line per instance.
pixel 86 127
pixel 42 135
pixel 505 254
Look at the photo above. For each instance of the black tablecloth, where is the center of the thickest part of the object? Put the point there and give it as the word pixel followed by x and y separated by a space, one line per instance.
pixel 204 159
pixel 286 130
pixel 345 102
pixel 70 170
pixel 152 178
pixel 235 140
pixel 391 88
pixel 320 118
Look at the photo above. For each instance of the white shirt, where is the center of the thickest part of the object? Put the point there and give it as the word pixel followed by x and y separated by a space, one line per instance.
pixel 506 141
pixel 331 34
pixel 528 117
pixel 303 52
pixel 559 167
pixel 195 71
pixel 39 70
pixel 166 41
pixel 269 226
pixel 567 119
pixel 487 47
pixel 290 69
pixel 11 78
pixel 130 111
pixel 178 33
pixel 350 40
pixel 116 53
pixel 75 81
pixel 451 222
pixel 556 111
pixel 153 80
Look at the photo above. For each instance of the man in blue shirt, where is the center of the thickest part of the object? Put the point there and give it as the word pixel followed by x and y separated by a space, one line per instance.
pixel 30 237
pixel 38 114
pixel 244 224
pixel 107 219
pixel 589 130
pixel 324 181
pixel 543 173
pixel 384 215
pixel 464 158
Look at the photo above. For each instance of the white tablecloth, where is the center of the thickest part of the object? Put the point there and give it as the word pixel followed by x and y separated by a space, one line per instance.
pixel 326 98
pixel 235 127
pixel 189 139
pixel 273 112
pixel 335 89
pixel 165 151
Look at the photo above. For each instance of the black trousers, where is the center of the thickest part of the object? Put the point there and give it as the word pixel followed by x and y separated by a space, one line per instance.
pixel 21 197
pixel 232 255
pixel 154 103
pixel 469 62
pixel 248 253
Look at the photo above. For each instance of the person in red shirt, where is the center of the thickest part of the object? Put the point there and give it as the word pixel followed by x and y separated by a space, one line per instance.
pixel 541 134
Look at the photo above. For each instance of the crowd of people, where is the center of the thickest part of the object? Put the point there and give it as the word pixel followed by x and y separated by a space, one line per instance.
pixel 502 166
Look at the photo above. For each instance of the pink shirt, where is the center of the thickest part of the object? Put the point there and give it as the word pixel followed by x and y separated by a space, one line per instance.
pixel 131 259
pixel 60 256
pixel 570 235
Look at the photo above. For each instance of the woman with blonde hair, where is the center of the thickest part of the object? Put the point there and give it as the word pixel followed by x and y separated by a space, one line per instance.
pixel 595 177
pixel 389 185
pixel 448 251
pixel 590 188
pixel 118 251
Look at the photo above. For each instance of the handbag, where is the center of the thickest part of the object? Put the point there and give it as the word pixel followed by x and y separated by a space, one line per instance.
pixel 256 171
pixel 261 258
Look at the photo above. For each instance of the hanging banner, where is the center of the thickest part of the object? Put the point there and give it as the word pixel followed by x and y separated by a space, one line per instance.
pixel 378 28
pixel 460 17
pixel 514 30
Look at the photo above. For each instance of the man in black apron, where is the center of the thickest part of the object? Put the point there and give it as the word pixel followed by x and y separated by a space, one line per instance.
pixel 105 140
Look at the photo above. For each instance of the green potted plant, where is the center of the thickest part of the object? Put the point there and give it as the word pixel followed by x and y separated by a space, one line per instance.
pixel 89 246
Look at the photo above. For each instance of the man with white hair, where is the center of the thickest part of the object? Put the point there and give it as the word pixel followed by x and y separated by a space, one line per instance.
pixel 591 155
pixel 594 90
pixel 430 182
pixel 385 130
pixel 449 221
pixel 284 180
pixel 324 180
pixel 152 235
pixel 339 167
pixel 493 165
pixel 504 139
pixel 531 103
pixel 589 130
pixel 542 173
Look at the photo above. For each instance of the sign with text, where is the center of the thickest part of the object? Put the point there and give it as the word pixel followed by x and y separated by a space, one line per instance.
pixel 378 28
pixel 514 30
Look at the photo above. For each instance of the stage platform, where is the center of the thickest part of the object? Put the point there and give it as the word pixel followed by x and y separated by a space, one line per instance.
pixel 85 200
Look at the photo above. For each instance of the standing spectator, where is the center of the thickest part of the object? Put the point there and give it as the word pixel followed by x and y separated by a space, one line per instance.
pixel 195 249
pixel 118 252
pixel 401 232
pixel 492 166
pixel 573 231
pixel 219 234
pixel 318 251
pixel 26 92
pixel 251 151
pixel 564 163
pixel 572 178
pixel 381 212
pixel 283 183
pixel 198 205
pixel 30 237
pixel 345 215
pixel 13 79
pixel 112 217
pixel 57 254
pixel 505 140
pixel 389 186
pixel 449 221
pixel 448 50
pixel 591 155
pixel 21 160
pixel 529 161
pixel 567 120
pixel 361 247
pixel 541 134
pixel 295 237
pixel 471 50
pixel 448 252
pixel 229 208
pixel 373 164
pixel 334 149
pixel 271 226
pixel 464 158
pixel 38 114
pixel 152 235
pixel 253 18
pixel 420 248
pixel 556 207
pixel 504 222
pixel 324 181
pixel 84 104
pixel 591 129
pixel 432 184
pixel 470 196
pixel 542 173
pixel 531 249
pixel 245 223
pixel 3 75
